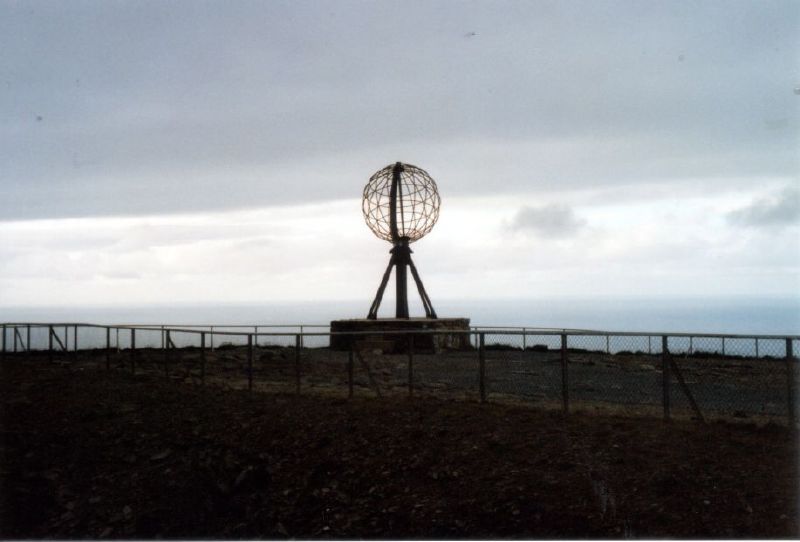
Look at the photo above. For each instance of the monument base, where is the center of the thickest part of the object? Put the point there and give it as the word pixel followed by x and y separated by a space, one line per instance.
pixel 381 337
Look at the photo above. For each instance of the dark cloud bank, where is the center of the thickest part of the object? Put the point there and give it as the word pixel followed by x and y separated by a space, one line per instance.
pixel 159 107
pixel 780 210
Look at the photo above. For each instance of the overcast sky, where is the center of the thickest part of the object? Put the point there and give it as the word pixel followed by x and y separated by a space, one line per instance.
pixel 216 151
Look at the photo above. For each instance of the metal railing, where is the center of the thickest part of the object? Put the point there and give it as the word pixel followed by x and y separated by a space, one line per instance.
pixel 697 375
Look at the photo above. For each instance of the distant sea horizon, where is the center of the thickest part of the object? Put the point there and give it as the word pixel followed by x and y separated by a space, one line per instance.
pixel 731 314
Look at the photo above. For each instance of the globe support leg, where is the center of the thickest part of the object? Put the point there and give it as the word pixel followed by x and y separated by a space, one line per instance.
pixel 373 310
pixel 426 301
pixel 402 256
pixel 401 260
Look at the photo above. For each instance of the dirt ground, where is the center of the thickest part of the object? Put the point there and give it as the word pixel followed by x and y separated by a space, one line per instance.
pixel 88 453
pixel 731 388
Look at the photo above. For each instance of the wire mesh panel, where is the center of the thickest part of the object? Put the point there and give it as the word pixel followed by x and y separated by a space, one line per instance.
pixel 737 384
pixel 324 371
pixel 508 370
pixel 632 345
pixel 275 368
pixel 225 361
pixel 736 347
pixel 625 380
pixel 38 338
pixel 182 357
pixel 276 338
pixel 228 336
pixel 88 337
pixel 316 339
pixel 121 337
pixel 451 373
pixel 18 338
pixel 771 348
pixel 59 340
pixel 155 339
pixel 544 355
pixel 141 352
pixel 380 366
pixel 729 376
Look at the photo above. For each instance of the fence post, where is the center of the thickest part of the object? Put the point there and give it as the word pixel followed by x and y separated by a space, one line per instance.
pixel 350 370
pixel 302 338
pixel 16 334
pixel 649 345
pixel 608 345
pixel 50 343
pixel 75 340
pixel 28 340
pixel 133 351
pixel 162 338
pixel 482 367
pixel 524 339
pixel 723 346
pixel 212 338
pixel 108 347
pixel 297 342
pixel 117 339
pixel 249 362
pixel 4 342
pixel 665 376
pixel 564 374
pixel 167 353
pixel 66 340
pixel 255 330
pixel 203 357
pixel 411 366
pixel 756 348
pixel 790 379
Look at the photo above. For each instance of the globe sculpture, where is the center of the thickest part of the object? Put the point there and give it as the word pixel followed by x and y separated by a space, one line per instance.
pixel 401 205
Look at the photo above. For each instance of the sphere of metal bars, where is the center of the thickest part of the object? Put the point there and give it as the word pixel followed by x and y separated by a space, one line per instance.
pixel 417 203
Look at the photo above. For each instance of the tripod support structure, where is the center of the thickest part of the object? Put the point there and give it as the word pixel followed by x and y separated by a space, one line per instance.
pixel 400 260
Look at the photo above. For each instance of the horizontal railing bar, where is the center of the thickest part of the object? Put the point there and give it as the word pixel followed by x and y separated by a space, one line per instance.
pixel 128 326
pixel 495 330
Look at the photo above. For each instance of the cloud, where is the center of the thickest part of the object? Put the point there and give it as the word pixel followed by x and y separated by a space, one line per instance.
pixel 554 220
pixel 121 275
pixel 292 106
pixel 779 210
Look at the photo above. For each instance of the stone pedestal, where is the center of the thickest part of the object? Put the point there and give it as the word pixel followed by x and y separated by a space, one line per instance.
pixel 381 337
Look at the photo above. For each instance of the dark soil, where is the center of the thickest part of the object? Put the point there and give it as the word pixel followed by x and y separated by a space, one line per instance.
pixel 87 453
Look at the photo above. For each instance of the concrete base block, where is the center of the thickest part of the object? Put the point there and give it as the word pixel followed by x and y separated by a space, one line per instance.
pixel 381 336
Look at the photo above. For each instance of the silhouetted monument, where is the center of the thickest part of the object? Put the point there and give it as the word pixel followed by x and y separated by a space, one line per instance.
pixel 401 205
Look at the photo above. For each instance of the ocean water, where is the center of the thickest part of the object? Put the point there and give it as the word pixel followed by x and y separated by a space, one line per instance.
pixel 742 315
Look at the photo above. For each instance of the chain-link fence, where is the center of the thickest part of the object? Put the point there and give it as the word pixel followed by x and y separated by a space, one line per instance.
pixel 699 376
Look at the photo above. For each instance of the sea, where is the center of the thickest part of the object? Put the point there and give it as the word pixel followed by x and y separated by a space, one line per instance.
pixel 656 316
pixel 730 315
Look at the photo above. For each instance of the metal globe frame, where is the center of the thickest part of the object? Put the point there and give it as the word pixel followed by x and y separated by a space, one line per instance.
pixel 401 205
pixel 416 199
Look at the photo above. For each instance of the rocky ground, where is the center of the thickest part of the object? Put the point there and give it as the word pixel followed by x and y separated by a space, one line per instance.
pixel 732 388
pixel 88 453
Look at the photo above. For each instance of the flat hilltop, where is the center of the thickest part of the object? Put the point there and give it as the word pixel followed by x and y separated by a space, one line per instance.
pixel 89 453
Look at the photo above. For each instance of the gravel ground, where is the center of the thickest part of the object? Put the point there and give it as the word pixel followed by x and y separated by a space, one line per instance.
pixel 88 453
pixel 723 387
